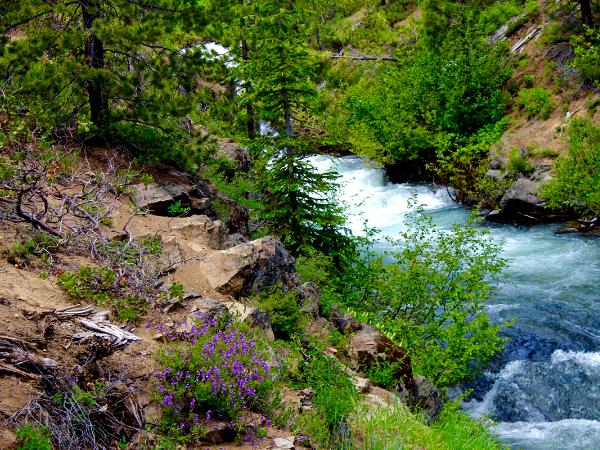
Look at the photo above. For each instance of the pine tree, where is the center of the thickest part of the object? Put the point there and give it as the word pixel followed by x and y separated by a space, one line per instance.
pixel 100 61
pixel 297 201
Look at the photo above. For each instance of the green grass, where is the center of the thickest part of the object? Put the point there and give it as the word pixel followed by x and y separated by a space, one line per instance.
pixel 395 427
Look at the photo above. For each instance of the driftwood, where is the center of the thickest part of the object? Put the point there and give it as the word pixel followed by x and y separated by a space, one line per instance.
pixel 365 57
pixel 99 327
pixel 500 33
pixel 531 34
pixel 16 358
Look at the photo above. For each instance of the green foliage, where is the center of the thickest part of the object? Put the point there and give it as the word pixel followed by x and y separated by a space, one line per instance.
pixel 535 102
pixel 33 438
pixel 129 308
pixel 429 296
pixel 89 283
pixel 577 181
pixel 40 245
pixel 103 287
pixel 395 427
pixel 518 164
pixel 284 309
pixel 587 54
pixel 298 204
pixel 528 80
pixel 177 209
pixel 464 167
pixel 100 62
pixel 334 398
pixel 447 83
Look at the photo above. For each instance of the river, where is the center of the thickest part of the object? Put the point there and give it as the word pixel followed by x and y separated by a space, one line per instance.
pixel 543 390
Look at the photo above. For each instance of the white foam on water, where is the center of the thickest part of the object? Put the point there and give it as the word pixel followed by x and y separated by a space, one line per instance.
pixel 568 434
pixel 586 359
pixel 368 196
pixel 485 407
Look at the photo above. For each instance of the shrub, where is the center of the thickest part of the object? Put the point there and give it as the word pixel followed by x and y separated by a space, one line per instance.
pixel 587 54
pixel 535 102
pixel 284 310
pixel 528 80
pixel 335 397
pixel 210 373
pixel 101 285
pixel 33 438
pixel 40 245
pixel 429 296
pixel 518 164
pixel 577 181
pixel 177 209
pixel 89 283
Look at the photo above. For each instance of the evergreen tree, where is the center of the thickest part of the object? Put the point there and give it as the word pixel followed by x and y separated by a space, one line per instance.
pixel 104 61
pixel 297 201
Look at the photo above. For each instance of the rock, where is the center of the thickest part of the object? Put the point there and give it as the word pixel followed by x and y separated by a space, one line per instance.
pixel 343 322
pixel 319 327
pixel 249 268
pixel 520 205
pixel 151 197
pixel 368 347
pixel 219 432
pixel 284 443
pixel 208 308
pixel 251 316
pixel 176 191
pixel 235 153
pixel 429 398
pixel 201 230
pixel 203 205
pixel 309 298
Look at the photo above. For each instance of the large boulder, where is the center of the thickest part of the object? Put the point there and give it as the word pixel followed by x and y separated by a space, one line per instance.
pixel 429 398
pixel 151 197
pixel 235 153
pixel 157 198
pixel 521 205
pixel 249 267
pixel 368 347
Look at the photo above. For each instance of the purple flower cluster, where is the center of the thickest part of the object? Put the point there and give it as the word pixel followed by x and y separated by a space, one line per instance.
pixel 209 372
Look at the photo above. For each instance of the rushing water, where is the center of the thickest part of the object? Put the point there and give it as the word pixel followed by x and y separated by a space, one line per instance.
pixel 543 391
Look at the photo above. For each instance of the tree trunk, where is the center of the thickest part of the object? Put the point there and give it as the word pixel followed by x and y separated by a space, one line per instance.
pixel 94 57
pixel 287 113
pixel 586 13
pixel 250 122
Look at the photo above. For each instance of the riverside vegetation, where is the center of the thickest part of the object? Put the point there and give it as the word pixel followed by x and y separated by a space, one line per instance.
pixel 428 89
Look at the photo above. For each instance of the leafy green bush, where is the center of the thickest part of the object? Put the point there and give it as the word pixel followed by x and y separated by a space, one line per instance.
pixel 284 310
pixel 33 438
pixel 429 296
pixel 100 285
pixel 40 245
pixel 518 164
pixel 177 209
pixel 535 102
pixel 577 181
pixel 89 283
pixel 334 398
pixel 396 427
pixel 587 54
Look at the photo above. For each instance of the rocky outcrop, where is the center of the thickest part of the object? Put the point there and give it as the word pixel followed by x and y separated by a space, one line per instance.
pixel 157 198
pixel 235 153
pixel 249 267
pixel 521 205
pixel 310 299
pixel 368 347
